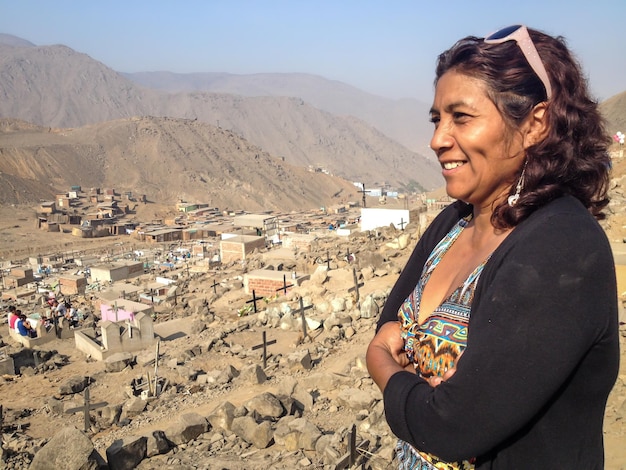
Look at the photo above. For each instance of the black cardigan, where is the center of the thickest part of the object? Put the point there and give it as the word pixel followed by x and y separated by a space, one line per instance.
pixel 542 351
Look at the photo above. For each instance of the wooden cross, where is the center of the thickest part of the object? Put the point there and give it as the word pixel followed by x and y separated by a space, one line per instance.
pixel 214 286
pixel 302 309
pixel 156 368
pixel 402 224
pixel 285 286
pixel 356 284
pixel 115 309
pixel 254 300
pixel 264 345
pixel 327 260
pixel 363 191
pixel 349 459
pixel 86 408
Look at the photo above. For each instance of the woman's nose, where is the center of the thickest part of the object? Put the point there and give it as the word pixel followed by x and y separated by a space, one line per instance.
pixel 441 138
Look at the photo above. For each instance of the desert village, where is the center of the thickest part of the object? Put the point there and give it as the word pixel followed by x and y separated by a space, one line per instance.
pixel 131 301
pixel 210 339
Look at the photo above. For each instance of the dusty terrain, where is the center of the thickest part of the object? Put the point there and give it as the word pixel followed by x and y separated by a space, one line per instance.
pixel 26 396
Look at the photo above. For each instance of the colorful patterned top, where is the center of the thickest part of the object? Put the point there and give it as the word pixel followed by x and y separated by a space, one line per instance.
pixel 435 345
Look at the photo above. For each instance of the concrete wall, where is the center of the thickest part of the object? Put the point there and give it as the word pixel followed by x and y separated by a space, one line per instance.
pixel 375 218
pixel 266 283
pixel 236 248
pixel 297 241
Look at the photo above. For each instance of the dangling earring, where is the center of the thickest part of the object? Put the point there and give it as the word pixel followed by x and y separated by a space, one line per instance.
pixel 513 198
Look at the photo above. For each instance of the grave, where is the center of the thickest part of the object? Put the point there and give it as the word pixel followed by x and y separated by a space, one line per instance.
pixel 122 309
pixel 43 335
pixel 236 248
pixel 117 271
pixel 7 364
pixel 73 285
pixel 113 337
pixel 266 282
pixel 375 218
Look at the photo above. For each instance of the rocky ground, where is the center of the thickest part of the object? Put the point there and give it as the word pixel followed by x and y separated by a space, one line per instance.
pixel 307 399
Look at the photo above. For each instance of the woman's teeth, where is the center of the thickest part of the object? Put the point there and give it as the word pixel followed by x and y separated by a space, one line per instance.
pixel 452 165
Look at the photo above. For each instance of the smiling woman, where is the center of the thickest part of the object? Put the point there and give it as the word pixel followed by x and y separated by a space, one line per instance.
pixel 515 275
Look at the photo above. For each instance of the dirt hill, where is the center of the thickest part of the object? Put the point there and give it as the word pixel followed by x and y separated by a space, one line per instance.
pixel 165 159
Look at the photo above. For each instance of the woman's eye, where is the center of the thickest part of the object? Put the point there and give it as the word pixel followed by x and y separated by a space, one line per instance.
pixel 460 116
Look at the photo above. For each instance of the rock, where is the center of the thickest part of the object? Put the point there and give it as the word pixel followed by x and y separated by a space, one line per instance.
pixel 55 406
pixel 118 362
pixel 69 449
pixel 157 443
pixel 186 427
pixel 355 399
pixel 110 415
pixel 320 276
pixel 308 433
pixel 338 304
pixel 253 375
pixel 266 406
pixel 227 375
pixel 300 360
pixel 259 435
pixel 127 453
pixel 133 407
pixel 73 385
pixel 369 307
pixel 222 416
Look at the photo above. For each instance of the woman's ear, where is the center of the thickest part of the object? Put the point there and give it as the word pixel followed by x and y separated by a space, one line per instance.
pixel 536 125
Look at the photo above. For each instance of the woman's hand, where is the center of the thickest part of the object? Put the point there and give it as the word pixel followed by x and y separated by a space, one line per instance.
pixel 385 354
pixel 436 380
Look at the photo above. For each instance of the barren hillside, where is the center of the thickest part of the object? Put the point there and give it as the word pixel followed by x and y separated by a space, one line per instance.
pixel 165 159
pixel 59 87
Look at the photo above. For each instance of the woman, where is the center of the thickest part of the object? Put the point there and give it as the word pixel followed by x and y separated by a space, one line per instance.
pixel 498 345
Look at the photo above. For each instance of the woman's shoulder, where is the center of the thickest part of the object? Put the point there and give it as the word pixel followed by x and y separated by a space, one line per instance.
pixel 561 225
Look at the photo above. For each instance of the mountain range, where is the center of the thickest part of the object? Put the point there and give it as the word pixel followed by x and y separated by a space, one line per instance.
pixel 292 120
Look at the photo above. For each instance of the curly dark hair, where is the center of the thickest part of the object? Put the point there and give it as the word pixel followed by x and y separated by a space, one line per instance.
pixel 573 158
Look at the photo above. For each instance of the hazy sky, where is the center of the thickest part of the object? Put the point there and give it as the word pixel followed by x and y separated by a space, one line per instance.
pixel 383 47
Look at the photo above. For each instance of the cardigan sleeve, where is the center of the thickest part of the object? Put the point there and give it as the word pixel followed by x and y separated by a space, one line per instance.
pixel 545 299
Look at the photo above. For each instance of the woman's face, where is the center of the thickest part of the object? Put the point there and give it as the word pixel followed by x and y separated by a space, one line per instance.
pixel 478 155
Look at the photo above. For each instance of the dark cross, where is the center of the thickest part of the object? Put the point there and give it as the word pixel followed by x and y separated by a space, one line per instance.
pixel 363 191
pixel 214 286
pixel 115 309
pixel 285 286
pixel 402 224
pixel 86 408
pixel 254 300
pixel 348 254
pixel 356 284
pixel 327 260
pixel 349 459
pixel 264 345
pixel 151 297
pixel 302 309
pixel 1 418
